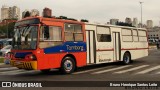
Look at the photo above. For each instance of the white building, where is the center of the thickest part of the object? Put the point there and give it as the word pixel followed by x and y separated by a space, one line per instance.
pixel 154 34
pixel 10 12
pixel 128 20
pixel 4 12
pixel 149 23
pixel 16 12
pixel 34 12
pixel 135 22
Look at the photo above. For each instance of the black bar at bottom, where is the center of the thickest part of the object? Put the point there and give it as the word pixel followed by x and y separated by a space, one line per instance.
pixel 79 83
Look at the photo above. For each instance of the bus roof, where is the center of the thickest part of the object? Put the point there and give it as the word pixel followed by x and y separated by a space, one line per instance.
pixel 51 19
pixel 42 19
pixel 108 25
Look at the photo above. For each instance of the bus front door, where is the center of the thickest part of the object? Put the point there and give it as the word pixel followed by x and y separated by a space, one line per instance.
pixel 91 52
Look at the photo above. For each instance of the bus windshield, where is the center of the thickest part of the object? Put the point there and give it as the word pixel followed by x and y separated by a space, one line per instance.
pixel 25 38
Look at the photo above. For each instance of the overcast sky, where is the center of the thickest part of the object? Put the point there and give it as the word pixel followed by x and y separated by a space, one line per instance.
pixel 94 10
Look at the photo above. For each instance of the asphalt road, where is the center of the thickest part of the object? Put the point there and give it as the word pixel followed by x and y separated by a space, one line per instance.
pixel 143 69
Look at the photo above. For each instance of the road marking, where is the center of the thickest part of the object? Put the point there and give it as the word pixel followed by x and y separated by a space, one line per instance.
pixel 25 71
pixel 158 73
pixel 112 69
pixel 85 71
pixel 15 72
pixel 9 72
pixel 132 69
pixel 149 70
pixel 8 68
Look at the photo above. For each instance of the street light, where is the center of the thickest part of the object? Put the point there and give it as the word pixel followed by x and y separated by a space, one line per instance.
pixel 141 13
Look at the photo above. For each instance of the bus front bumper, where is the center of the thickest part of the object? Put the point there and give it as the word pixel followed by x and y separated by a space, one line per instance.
pixel 29 65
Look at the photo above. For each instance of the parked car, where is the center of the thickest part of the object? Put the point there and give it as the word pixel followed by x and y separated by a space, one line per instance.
pixel 3 42
pixel 5 50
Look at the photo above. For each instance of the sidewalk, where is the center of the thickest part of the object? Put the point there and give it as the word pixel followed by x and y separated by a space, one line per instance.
pixel 2 64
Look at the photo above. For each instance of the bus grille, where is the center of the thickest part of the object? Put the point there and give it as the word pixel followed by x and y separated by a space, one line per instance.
pixel 30 65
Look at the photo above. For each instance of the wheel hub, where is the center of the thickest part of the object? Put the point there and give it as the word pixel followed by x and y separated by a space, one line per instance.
pixel 68 65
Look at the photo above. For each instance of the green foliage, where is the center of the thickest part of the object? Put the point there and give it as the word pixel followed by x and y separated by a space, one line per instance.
pixel 1 60
pixel 9 27
pixel 11 19
pixel 62 17
pixel 84 20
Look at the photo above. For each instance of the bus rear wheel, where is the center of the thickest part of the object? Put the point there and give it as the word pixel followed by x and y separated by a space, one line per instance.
pixel 126 58
pixel 67 65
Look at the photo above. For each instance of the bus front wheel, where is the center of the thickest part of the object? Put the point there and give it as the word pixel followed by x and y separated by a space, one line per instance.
pixel 126 58
pixel 67 65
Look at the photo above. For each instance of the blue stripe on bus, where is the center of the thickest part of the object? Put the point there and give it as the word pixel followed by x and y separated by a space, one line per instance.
pixel 67 47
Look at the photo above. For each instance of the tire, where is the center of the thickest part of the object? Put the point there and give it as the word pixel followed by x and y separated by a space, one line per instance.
pixel 45 70
pixel 126 58
pixel 67 65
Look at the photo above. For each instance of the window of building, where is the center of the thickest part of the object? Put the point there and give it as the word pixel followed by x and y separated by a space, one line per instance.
pixel 103 34
pixel 73 32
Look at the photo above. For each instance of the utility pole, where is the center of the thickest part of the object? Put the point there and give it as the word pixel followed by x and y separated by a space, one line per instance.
pixel 141 14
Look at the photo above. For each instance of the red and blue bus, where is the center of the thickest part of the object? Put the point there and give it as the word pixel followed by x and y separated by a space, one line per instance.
pixel 41 43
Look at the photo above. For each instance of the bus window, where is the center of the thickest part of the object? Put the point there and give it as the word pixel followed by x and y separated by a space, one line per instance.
pixel 127 35
pixel 135 35
pixel 50 36
pixel 103 34
pixel 142 36
pixel 46 32
pixel 73 32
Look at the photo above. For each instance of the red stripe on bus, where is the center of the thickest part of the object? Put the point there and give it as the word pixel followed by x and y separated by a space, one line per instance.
pixel 105 49
pixel 133 48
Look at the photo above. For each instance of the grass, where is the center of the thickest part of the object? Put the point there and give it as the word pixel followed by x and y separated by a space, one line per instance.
pixel 1 60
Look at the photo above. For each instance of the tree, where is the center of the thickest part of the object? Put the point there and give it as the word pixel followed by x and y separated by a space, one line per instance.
pixel 9 27
pixel 27 14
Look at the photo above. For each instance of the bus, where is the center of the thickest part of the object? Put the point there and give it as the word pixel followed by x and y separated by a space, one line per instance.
pixel 43 44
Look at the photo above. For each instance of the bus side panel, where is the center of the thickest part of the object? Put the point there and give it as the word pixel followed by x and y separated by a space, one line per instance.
pixel 80 58
pixel 42 61
pixel 47 61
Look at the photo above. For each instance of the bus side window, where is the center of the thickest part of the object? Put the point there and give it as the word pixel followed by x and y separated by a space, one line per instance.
pixel 50 36
pixel 103 34
pixel 73 32
pixel 46 32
